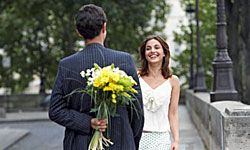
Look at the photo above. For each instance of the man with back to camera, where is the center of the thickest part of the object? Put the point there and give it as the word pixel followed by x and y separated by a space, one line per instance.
pixel 74 114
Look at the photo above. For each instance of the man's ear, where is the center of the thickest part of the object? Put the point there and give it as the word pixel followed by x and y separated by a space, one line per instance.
pixel 104 27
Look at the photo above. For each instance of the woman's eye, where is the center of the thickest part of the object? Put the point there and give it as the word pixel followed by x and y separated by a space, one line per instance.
pixel 157 47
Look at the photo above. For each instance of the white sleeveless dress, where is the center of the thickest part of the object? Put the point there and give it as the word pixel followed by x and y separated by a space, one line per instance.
pixel 156 126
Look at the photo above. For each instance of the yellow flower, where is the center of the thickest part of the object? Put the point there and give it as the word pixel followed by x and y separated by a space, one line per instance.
pixel 114 101
pixel 101 80
pixel 126 82
pixel 125 94
pixel 113 87
pixel 108 87
pixel 133 90
pixel 113 96
pixel 114 77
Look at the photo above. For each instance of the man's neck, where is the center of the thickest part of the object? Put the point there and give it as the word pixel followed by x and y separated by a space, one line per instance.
pixel 95 40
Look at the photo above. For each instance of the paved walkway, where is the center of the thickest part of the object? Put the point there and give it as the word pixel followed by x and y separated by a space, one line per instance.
pixel 9 136
pixel 189 138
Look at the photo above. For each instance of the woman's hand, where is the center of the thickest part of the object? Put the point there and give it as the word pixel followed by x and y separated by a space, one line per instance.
pixel 175 146
pixel 100 124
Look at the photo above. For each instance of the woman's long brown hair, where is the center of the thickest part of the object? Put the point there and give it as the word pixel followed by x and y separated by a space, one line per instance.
pixel 165 70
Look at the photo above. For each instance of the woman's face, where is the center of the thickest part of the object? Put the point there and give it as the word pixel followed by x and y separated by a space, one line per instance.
pixel 154 51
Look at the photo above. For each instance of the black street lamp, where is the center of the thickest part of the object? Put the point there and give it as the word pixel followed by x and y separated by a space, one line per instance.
pixel 42 75
pixel 6 63
pixel 190 11
pixel 223 84
pixel 200 84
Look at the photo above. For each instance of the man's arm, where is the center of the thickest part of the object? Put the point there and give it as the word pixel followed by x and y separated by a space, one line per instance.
pixel 59 113
pixel 136 114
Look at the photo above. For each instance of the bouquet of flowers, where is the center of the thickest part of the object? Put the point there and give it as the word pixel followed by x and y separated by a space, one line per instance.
pixel 108 87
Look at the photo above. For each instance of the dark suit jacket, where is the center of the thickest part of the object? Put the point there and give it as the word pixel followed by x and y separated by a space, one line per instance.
pixel 74 113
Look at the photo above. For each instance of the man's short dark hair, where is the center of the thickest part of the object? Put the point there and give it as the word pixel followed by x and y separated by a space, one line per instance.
pixel 89 20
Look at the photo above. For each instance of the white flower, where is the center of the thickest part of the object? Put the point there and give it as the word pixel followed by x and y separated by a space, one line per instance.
pixel 90 81
pixel 108 67
pixel 95 74
pixel 88 72
pixel 120 72
pixel 82 74
pixel 116 70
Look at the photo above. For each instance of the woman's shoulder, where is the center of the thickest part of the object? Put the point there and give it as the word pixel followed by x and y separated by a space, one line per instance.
pixel 174 80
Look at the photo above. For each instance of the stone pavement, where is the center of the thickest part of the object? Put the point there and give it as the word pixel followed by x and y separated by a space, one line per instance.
pixel 9 136
pixel 189 137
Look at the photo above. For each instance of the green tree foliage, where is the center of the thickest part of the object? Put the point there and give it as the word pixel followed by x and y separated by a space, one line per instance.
pixel 207 16
pixel 37 34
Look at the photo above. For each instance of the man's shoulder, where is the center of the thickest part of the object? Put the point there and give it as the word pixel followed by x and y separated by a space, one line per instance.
pixel 118 52
pixel 69 59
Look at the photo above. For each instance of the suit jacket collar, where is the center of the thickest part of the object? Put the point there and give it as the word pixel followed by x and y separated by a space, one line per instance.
pixel 93 45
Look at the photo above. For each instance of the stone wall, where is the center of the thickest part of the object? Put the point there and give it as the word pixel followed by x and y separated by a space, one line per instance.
pixel 2 112
pixel 21 102
pixel 223 125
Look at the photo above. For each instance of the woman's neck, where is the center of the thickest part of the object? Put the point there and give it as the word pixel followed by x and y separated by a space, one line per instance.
pixel 154 71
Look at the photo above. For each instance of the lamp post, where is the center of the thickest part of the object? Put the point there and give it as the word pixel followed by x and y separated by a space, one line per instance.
pixel 223 84
pixel 6 62
pixel 43 52
pixel 190 11
pixel 200 84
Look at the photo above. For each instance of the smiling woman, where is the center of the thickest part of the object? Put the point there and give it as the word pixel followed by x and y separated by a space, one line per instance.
pixel 160 47
pixel 160 91
pixel 154 51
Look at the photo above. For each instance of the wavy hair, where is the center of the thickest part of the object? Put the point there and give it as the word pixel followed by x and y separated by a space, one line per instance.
pixel 165 69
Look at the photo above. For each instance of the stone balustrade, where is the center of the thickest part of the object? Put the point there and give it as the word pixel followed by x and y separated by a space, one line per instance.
pixel 222 125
